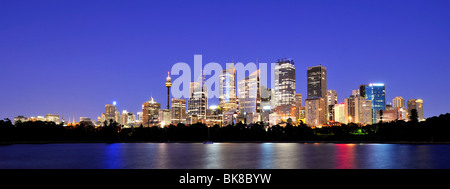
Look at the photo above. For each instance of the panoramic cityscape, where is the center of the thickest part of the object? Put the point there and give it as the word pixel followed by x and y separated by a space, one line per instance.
pixel 224 93
pixel 257 103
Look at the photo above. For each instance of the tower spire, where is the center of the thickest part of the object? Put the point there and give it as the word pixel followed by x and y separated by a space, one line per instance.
pixel 168 85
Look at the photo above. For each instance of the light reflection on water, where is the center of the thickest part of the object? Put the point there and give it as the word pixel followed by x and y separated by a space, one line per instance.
pixel 225 156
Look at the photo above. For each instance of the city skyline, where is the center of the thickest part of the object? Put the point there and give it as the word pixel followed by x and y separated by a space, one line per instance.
pixel 73 68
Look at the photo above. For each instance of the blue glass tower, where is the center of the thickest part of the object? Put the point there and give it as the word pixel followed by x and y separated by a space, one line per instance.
pixel 376 92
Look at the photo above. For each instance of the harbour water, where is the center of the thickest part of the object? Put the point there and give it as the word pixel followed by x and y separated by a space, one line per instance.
pixel 224 156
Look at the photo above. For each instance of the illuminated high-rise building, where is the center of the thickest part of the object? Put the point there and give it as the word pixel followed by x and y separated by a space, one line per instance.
pixel 249 94
pixel 198 100
pixel 284 89
pixel 398 102
pixel 53 118
pixel 317 81
pixel 418 105
pixel 331 101
pixel 110 112
pixel 298 106
pixel 317 95
pixel 165 117
pixel 363 111
pixel 150 113
pixel 376 92
pixel 227 89
pixel 357 109
pixel 178 110
pixel 315 111
pixel 339 112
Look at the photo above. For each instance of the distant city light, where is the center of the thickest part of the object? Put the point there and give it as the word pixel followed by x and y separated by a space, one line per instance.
pixel 377 84
pixel 114 103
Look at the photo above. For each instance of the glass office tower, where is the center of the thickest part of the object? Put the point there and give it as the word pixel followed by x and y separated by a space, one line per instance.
pixel 376 92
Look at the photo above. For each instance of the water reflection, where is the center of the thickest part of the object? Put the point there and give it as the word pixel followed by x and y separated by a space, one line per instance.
pixel 112 156
pixel 226 156
pixel 266 160
pixel 345 156
pixel 213 156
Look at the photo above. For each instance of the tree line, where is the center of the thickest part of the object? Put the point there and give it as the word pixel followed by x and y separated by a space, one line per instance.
pixel 434 129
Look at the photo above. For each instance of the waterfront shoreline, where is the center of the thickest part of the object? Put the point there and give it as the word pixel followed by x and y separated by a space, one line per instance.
pixel 237 142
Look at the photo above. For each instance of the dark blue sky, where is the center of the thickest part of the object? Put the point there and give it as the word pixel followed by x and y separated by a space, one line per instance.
pixel 73 57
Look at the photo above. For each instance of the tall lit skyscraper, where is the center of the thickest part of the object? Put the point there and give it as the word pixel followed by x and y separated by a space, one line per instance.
pixel 375 92
pixel 331 101
pixel 249 94
pixel 178 110
pixel 363 111
pixel 418 105
pixel 317 96
pixel 150 113
pixel 198 101
pixel 339 112
pixel 357 109
pixel 110 112
pixel 298 106
pixel 284 89
pixel 317 81
pixel 227 89
pixel 315 111
pixel 398 102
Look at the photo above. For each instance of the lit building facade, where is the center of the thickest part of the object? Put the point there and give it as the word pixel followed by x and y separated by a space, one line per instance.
pixel 331 101
pixel 198 101
pixel 227 89
pixel 165 117
pixel 53 118
pixel 178 110
pixel 150 113
pixel 339 113
pixel 315 111
pixel 418 105
pixel 376 92
pixel 316 103
pixel 398 102
pixel 110 112
pixel 363 111
pixel 284 89
pixel 249 96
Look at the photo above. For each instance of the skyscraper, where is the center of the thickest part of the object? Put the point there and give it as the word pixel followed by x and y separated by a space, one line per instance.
pixel 110 112
pixel 331 101
pixel 317 81
pixel 375 92
pixel 178 110
pixel 249 94
pixel 357 109
pixel 418 105
pixel 317 96
pixel 339 112
pixel 284 89
pixel 198 101
pixel 363 111
pixel 316 111
pixel 150 113
pixel 227 89
pixel 298 106
pixel 398 102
